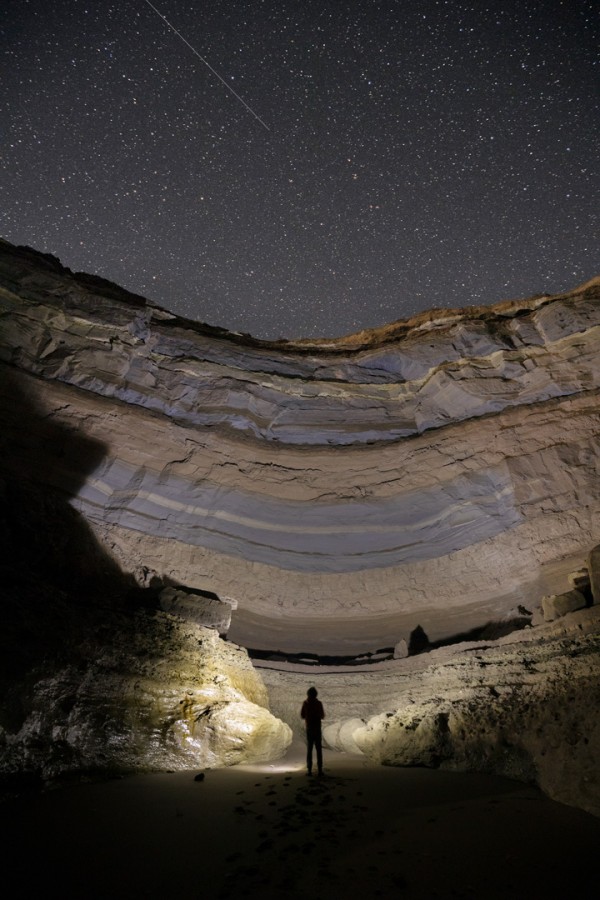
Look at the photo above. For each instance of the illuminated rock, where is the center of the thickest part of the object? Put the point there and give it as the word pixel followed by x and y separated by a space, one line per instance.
pixel 525 710
pixel 334 495
pixel 436 472
pixel 153 693
pixel 525 706
pixel 239 732
pixel 340 735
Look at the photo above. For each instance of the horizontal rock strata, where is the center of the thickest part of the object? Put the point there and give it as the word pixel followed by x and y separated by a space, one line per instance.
pixel 368 496
pixel 397 381
pixel 430 473
pixel 525 706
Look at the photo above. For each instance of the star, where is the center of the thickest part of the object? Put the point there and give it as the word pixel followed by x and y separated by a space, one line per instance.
pixel 418 155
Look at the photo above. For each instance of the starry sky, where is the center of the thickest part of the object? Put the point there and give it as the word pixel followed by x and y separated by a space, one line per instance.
pixel 378 157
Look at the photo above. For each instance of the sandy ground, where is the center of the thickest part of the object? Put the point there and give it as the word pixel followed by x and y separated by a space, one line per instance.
pixel 269 831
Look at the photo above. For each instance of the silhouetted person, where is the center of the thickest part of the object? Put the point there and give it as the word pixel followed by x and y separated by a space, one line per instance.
pixel 313 713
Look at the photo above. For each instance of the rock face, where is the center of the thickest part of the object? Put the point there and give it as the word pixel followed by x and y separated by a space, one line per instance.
pixel 148 692
pixel 194 607
pixel 420 483
pixel 428 473
pixel 524 706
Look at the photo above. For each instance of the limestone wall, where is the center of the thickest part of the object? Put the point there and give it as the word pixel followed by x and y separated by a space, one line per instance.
pixel 334 494
pixel 525 706
pixel 138 693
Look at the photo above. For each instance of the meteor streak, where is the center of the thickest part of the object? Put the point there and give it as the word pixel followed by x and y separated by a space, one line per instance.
pixel 208 65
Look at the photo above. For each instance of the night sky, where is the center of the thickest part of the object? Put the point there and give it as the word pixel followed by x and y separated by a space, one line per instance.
pixel 392 156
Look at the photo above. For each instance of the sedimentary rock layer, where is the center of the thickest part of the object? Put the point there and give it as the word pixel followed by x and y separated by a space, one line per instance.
pixel 431 473
pixel 524 706
pixel 438 368
pixel 427 478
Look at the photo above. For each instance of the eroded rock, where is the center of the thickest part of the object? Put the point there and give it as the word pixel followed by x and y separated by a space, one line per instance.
pixel 556 605
pixel 430 471
pixel 401 649
pixel 525 707
pixel 341 735
pixel 155 693
pixel 441 472
pixel 594 570
pixel 194 607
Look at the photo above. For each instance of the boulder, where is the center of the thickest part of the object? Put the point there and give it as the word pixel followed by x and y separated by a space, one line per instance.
pixel 401 650
pixel 236 732
pixel 557 605
pixel 340 736
pixel 154 692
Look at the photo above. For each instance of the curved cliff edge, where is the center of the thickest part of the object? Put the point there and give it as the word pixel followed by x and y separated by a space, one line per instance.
pixel 383 384
pixel 173 493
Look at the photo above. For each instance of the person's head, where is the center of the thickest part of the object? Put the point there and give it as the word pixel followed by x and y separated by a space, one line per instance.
pixel 312 693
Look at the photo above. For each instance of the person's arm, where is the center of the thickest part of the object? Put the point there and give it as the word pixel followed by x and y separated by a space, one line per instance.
pixel 303 710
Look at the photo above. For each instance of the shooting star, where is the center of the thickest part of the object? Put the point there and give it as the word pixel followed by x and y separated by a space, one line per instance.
pixel 208 65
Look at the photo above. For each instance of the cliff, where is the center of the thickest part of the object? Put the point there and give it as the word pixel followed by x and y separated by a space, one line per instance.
pixel 331 498
pixel 436 472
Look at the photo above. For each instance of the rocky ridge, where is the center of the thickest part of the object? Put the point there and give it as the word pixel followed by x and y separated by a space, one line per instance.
pixel 382 385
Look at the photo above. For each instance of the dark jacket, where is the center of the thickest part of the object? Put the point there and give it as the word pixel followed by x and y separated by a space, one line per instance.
pixel 312 712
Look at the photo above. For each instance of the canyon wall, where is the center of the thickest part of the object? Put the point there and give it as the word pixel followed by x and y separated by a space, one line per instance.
pixel 524 706
pixel 330 498
pixel 341 493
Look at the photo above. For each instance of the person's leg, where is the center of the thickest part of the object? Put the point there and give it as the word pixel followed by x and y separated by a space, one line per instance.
pixel 319 754
pixel 309 750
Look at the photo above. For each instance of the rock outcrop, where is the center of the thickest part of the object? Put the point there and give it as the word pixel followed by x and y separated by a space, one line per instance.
pixel 141 692
pixel 524 706
pixel 434 472
pixel 415 485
